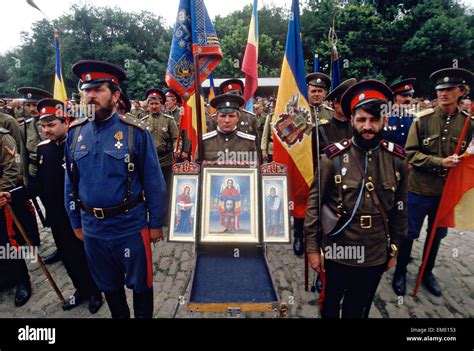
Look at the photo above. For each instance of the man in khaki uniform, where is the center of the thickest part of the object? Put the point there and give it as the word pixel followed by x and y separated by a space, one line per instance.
pixel 9 179
pixel 32 135
pixel 173 105
pixel 227 144
pixel 137 110
pixel 430 150
pixel 164 131
pixel 318 88
pixel 363 218
pixel 248 121
pixel 339 127
pixel 267 139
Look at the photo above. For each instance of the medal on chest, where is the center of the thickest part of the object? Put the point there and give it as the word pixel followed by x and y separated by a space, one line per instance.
pixel 119 137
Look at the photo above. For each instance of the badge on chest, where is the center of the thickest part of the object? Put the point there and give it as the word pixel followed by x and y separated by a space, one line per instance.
pixel 119 137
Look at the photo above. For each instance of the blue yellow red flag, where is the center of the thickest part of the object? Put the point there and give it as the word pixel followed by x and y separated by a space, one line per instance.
pixel 292 118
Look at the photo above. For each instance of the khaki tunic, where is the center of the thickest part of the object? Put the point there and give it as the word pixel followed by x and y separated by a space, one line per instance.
pixel 333 130
pixel 33 138
pixel 321 112
pixel 267 136
pixel 9 163
pixel 391 188
pixel 11 124
pixel 231 147
pixel 165 136
pixel 426 149
pixel 176 113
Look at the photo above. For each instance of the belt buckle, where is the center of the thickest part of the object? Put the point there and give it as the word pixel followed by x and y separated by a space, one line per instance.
pixel 370 186
pixel 366 222
pixel 98 213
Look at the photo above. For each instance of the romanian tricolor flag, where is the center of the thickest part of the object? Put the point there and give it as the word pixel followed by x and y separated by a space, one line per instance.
pixel 292 126
pixel 59 87
pixel 250 62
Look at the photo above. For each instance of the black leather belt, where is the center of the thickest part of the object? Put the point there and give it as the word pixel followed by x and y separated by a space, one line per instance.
pixel 102 213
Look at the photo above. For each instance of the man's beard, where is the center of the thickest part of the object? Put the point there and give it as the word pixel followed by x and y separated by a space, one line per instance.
pixel 102 112
pixel 367 144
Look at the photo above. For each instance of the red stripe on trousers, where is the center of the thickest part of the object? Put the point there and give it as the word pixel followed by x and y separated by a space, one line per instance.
pixel 10 229
pixel 145 233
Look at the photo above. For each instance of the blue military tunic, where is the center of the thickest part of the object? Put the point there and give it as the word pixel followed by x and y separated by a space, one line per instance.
pixel 117 248
pixel 99 161
pixel 398 128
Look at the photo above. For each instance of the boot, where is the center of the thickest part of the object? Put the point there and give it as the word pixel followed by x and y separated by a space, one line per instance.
pixel 118 306
pixel 54 257
pixel 399 282
pixel 431 284
pixel 298 243
pixel 143 304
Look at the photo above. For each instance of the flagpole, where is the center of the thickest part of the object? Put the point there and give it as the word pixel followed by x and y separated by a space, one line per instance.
pixel 436 221
pixel 197 92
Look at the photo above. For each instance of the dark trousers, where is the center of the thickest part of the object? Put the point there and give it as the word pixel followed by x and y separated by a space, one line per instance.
pixel 25 212
pixel 298 227
pixel 13 271
pixel 167 174
pixel 73 255
pixel 356 285
pixel 419 207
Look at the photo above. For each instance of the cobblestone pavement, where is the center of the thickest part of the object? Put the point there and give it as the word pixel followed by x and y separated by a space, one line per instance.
pixel 173 264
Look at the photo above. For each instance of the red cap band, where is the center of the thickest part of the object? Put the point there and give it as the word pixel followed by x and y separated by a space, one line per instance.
pixel 87 77
pixel 50 110
pixel 366 95
pixel 231 87
pixel 403 88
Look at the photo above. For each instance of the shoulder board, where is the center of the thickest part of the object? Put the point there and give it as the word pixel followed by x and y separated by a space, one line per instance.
pixel 133 122
pixel 426 112
pixel 209 135
pixel 166 115
pixel 323 121
pixel 250 113
pixel 328 108
pixel 246 136
pixel 128 114
pixel 45 142
pixel 78 122
pixel 29 120
pixel 393 148
pixel 468 115
pixel 144 118
pixel 335 149
pixel 4 131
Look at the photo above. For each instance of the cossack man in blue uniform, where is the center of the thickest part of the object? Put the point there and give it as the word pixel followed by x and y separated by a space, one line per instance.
pixel 114 191
pixel 402 115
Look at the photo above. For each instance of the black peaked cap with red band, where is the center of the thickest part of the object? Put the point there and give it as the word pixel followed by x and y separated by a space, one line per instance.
pixel 51 108
pixel 155 93
pixel 232 86
pixel 404 87
pixel 364 92
pixel 95 73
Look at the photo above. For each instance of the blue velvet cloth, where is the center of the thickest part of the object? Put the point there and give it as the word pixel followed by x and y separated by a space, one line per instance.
pixel 220 277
